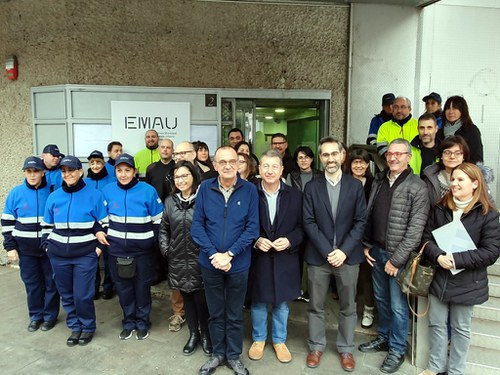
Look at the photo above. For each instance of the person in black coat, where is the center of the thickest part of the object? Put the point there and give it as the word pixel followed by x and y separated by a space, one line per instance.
pixel 460 281
pixel 275 257
pixel 182 253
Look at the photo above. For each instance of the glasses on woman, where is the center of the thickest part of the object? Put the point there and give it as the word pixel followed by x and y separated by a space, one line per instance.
pixel 456 154
pixel 182 177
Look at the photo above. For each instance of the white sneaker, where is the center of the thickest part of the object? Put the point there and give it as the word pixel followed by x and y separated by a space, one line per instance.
pixel 367 320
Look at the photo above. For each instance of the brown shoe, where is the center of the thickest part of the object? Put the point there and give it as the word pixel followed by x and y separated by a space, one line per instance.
pixel 313 358
pixel 347 361
pixel 256 351
pixel 282 353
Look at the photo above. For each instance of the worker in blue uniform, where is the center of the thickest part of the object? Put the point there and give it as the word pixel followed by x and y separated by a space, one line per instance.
pixel 135 211
pixel 73 221
pixel 22 233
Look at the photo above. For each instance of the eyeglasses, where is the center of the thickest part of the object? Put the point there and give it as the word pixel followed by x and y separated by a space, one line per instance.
pixel 449 153
pixel 182 177
pixel 273 167
pixel 224 163
pixel 326 155
pixel 397 155
pixel 181 153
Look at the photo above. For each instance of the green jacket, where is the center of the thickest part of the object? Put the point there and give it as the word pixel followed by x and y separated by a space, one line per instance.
pixel 143 158
pixel 391 130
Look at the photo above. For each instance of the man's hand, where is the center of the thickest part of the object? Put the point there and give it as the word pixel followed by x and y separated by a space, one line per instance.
pixel 446 262
pixel 264 244
pixel 390 269
pixel 12 256
pixel 101 237
pixel 371 261
pixel 336 258
pixel 221 261
pixel 281 244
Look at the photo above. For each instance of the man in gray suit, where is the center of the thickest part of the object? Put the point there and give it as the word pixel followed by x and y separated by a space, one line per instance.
pixel 334 220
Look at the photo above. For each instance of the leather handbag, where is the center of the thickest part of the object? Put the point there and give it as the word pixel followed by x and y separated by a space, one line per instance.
pixel 416 278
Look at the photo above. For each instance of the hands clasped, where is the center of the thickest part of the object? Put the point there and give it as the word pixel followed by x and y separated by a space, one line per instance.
pixel 279 244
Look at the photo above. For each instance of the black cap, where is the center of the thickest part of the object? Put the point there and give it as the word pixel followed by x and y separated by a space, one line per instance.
pixel 388 98
pixel 53 150
pixel 96 155
pixel 34 162
pixel 433 95
pixel 71 162
pixel 125 158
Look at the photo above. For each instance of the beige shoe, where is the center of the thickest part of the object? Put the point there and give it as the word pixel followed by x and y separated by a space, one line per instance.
pixel 282 353
pixel 256 351
pixel 175 323
pixel 428 372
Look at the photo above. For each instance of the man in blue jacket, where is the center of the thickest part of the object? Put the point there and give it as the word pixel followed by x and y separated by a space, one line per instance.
pixel 334 220
pixel 225 224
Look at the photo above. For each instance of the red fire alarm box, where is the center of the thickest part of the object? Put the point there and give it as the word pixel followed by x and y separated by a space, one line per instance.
pixel 11 67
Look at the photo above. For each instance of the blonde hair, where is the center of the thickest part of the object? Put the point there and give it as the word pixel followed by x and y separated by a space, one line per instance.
pixel 480 194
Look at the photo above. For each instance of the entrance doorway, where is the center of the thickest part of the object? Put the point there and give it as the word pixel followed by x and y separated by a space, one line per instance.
pixel 303 121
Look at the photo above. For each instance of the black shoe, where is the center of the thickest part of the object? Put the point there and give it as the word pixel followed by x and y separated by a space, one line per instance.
pixel 85 338
pixel 377 345
pixel 73 339
pixel 192 343
pixel 48 325
pixel 34 325
pixel 211 365
pixel 392 362
pixel 237 366
pixel 142 334
pixel 126 334
pixel 108 294
pixel 206 344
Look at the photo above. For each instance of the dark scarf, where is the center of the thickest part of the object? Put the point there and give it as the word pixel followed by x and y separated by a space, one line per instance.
pixel 130 185
pixel 73 189
pixel 97 176
pixel 403 121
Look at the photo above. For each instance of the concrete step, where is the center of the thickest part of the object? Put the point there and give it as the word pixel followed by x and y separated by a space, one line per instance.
pixel 490 310
pixel 494 269
pixel 494 285
pixel 486 334
pixel 481 361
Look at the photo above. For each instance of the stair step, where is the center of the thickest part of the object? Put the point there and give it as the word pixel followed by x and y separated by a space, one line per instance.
pixel 494 269
pixel 481 361
pixel 486 334
pixel 494 285
pixel 489 310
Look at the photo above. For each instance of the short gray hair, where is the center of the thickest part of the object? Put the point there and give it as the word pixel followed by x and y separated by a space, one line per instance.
pixel 272 153
pixel 408 101
pixel 401 141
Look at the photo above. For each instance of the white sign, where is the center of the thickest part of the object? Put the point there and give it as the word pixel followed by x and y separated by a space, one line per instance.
pixel 131 120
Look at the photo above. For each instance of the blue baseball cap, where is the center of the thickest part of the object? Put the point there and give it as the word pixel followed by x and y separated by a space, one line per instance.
pixel 96 155
pixel 33 162
pixel 433 95
pixel 71 161
pixel 388 98
pixel 53 150
pixel 125 158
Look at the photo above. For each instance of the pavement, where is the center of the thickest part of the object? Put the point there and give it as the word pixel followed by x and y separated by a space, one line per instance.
pixel 161 353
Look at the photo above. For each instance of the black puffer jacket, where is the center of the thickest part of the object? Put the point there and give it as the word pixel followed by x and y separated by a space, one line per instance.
pixel 178 247
pixel 469 287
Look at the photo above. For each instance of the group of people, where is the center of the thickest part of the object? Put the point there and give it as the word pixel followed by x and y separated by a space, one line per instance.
pixel 242 230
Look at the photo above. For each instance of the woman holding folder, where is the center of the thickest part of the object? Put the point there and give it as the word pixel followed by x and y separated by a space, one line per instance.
pixel 452 292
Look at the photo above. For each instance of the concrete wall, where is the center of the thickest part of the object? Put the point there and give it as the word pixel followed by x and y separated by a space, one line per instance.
pixel 164 43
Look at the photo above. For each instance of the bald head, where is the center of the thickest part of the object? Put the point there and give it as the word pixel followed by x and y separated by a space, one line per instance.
pixel 184 151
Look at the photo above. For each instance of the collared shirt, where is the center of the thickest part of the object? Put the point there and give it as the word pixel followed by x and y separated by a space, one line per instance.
pixel 227 192
pixel 392 180
pixel 272 201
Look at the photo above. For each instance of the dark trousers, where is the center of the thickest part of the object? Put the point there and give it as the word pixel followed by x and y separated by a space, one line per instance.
pixel 75 280
pixel 134 293
pixel 196 310
pixel 225 293
pixel 43 298
pixel 107 283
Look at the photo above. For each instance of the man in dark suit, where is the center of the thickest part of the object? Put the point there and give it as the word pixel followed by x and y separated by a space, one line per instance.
pixel 334 220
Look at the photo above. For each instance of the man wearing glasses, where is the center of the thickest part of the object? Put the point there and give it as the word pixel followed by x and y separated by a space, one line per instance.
pixel 185 151
pixel 402 125
pixel 225 224
pixel 279 142
pixel 334 220
pixel 397 213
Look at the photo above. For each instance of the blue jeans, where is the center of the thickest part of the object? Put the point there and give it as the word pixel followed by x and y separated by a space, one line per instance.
pixel 225 294
pixel 391 304
pixel 259 322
